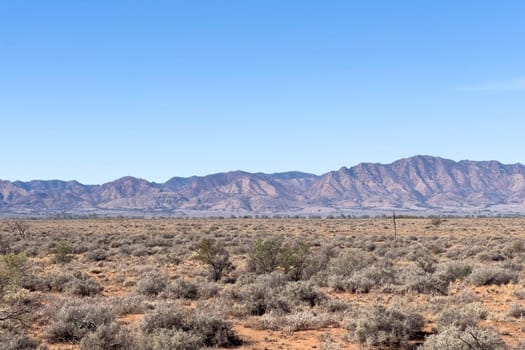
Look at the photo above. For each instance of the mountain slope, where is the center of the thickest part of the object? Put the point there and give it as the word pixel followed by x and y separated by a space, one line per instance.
pixel 420 182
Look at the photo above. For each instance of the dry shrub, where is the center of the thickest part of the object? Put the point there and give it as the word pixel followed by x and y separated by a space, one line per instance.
pixel 484 276
pixel 387 327
pixel 472 338
pixel 15 341
pixel 462 316
pixel 173 339
pixel 299 321
pixel 151 285
pixel 108 337
pixel 186 289
pixel 517 311
pixel 210 329
pixel 74 321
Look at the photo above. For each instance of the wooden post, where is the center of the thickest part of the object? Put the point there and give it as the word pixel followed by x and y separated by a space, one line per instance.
pixel 395 226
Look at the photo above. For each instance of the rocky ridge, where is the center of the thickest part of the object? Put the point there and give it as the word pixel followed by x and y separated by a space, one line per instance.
pixel 419 183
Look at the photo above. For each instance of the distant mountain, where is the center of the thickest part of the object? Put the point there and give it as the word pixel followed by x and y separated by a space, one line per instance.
pixel 416 184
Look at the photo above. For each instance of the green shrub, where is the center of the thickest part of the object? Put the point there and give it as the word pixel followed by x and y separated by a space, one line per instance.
pixel 214 254
pixel 12 268
pixel 294 259
pixel 264 256
pixel 63 253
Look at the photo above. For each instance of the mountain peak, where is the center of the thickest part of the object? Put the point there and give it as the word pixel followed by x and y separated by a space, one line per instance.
pixel 414 183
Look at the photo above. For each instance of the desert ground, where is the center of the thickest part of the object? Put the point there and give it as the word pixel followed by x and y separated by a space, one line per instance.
pixel 247 283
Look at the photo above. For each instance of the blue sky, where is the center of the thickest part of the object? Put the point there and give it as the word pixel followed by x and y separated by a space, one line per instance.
pixel 95 90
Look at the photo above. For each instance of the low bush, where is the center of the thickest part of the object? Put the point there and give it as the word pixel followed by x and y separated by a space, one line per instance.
pixel 425 283
pixel 359 272
pixel 517 311
pixel 346 264
pixel 462 316
pixel 483 276
pixel 83 285
pixel 164 316
pixel 74 321
pixel 182 289
pixel 299 321
pixel 108 337
pixel 472 338
pixel 387 327
pixel 258 298
pixel 173 339
pixel 354 284
pixel 77 283
pixel 151 285
pixel 97 255
pixel 209 329
pixel 15 341
pixel 453 271
pixel 302 293
pixel 213 330
pixel 129 304
pixel 427 263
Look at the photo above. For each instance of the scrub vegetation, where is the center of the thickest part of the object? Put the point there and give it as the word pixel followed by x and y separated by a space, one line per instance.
pixel 260 283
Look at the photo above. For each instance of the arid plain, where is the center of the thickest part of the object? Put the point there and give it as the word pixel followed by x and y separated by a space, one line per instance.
pixel 249 283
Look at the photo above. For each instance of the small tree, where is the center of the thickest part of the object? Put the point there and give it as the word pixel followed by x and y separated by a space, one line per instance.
pixel 294 258
pixel 11 270
pixel 265 256
pixel 214 254
pixel 20 227
pixel 12 267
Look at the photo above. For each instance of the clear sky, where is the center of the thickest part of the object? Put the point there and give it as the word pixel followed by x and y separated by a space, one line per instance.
pixel 96 90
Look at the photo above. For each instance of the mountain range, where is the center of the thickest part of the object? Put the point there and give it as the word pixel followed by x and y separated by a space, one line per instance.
pixel 420 184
